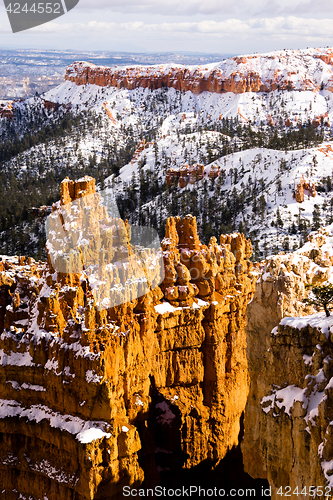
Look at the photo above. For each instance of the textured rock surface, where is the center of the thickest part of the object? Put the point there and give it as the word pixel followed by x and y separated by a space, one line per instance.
pixel 304 187
pixel 282 439
pixel 309 69
pixel 6 110
pixel 92 400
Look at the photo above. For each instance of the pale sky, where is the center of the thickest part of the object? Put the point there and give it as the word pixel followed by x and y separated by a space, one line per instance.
pixel 211 26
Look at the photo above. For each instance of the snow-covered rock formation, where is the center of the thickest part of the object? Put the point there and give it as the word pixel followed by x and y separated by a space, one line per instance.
pixel 309 69
pixel 288 418
pixel 94 399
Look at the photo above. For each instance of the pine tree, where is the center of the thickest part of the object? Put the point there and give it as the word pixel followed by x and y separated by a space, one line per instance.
pixel 262 205
pixel 279 221
pixel 321 296
pixel 316 221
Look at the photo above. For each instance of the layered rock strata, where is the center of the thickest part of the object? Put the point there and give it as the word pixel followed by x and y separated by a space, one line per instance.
pixel 309 69
pixel 93 399
pixel 289 411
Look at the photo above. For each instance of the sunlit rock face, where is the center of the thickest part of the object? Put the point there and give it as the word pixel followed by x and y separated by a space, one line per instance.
pixel 93 399
pixel 309 69
pixel 288 415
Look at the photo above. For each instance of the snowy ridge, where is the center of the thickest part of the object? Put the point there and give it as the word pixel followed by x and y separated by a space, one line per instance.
pixel 84 431
pixel 318 321
pixel 125 106
pixel 280 171
pixel 185 127
pixel 304 69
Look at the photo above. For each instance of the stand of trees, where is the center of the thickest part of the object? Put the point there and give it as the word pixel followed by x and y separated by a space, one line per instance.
pixel 35 158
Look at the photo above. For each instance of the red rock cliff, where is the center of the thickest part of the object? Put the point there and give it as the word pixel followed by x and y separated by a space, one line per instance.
pixel 301 70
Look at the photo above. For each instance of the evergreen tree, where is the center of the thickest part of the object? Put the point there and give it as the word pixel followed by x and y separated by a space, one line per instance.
pixel 321 296
pixel 279 221
pixel 316 220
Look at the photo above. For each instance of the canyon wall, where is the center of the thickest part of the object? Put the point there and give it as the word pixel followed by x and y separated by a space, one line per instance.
pixel 309 69
pixel 93 399
pixel 289 414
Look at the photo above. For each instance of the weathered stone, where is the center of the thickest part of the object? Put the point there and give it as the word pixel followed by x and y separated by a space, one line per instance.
pixel 280 446
pixel 167 370
pixel 255 73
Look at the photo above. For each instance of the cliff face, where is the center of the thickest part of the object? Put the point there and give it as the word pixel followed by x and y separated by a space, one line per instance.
pixel 94 399
pixel 309 69
pixel 6 110
pixel 288 414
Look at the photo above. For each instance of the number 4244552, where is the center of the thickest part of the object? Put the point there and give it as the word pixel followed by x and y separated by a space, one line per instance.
pixel 40 8
pixel 312 491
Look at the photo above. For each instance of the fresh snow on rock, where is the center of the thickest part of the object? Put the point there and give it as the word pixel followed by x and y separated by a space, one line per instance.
pixel 318 321
pixel 85 431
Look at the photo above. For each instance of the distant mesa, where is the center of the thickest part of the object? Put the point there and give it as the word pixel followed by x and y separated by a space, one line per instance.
pixel 309 69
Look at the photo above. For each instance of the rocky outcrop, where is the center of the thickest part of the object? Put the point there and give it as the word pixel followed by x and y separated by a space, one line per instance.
pixel 288 414
pixel 6 110
pixel 9 108
pixel 304 187
pixel 141 146
pixel 93 399
pixel 186 174
pixel 309 69
pixel 54 106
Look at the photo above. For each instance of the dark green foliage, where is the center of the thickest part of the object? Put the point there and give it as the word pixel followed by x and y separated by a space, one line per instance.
pixel 145 200
pixel 279 221
pixel 321 296
pixel 316 221
pixel 286 246
pixel 38 184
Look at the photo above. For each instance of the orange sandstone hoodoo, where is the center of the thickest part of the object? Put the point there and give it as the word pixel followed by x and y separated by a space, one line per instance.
pixel 93 400
pixel 304 187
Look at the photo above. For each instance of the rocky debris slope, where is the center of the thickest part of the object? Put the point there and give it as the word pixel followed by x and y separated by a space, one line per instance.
pixel 93 399
pixel 288 418
pixel 309 69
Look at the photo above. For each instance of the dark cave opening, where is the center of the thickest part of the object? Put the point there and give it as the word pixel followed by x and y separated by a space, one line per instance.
pixel 164 467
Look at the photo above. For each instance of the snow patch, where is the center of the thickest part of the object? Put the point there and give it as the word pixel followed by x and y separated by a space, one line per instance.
pixel 166 416
pixel 92 377
pixel 30 387
pixel 165 307
pixel 317 321
pixel 84 431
